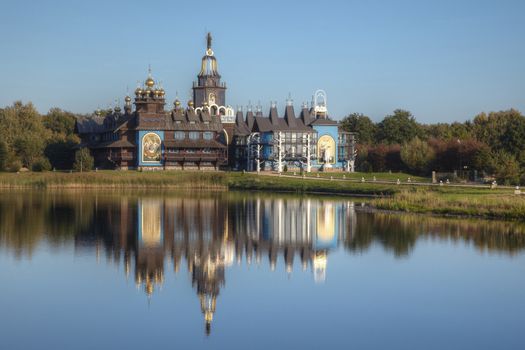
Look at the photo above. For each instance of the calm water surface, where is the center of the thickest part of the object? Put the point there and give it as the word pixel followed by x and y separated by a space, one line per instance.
pixel 252 271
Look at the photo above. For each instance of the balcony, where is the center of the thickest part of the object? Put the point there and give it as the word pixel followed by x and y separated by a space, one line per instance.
pixel 118 157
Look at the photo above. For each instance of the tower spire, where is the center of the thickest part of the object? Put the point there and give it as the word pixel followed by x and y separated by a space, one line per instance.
pixel 208 40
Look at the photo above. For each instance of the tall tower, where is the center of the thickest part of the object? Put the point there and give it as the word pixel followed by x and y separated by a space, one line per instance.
pixel 208 87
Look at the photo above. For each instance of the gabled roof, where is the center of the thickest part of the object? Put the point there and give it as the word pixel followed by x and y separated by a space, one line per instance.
pixel 323 121
pixel 241 128
pixel 90 124
pixel 114 144
pixel 289 116
pixel 191 115
pixel 205 115
pixel 250 119
pixel 274 116
pixel 306 116
pixel 263 124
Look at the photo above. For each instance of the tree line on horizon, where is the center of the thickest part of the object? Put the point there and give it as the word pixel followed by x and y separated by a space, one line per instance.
pixel 491 144
pixel 39 142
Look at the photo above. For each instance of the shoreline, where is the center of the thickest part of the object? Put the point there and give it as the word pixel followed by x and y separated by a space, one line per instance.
pixel 422 197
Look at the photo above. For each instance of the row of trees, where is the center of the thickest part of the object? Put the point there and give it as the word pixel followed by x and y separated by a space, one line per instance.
pixel 490 144
pixel 38 142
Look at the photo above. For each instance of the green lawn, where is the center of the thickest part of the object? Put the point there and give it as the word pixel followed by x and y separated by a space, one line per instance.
pixel 369 177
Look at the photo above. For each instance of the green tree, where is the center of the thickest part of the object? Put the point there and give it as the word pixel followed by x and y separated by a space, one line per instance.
pixel 29 147
pixel 362 125
pixel 3 155
pixel 417 155
pixel 83 160
pixel 59 121
pixel 507 170
pixel 502 131
pixel 400 128
pixel 60 150
pixel 21 128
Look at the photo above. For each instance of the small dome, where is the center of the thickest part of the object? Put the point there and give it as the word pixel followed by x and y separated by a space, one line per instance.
pixel 138 91
pixel 176 103
pixel 190 103
pixel 162 92
pixel 150 82
pixel 127 99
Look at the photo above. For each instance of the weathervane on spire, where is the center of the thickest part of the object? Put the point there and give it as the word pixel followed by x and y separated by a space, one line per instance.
pixel 209 51
pixel 208 40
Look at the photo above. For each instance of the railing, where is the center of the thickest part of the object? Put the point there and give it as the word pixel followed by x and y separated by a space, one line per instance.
pixel 121 156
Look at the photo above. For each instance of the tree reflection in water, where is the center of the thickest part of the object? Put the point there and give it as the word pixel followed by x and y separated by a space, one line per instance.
pixel 210 232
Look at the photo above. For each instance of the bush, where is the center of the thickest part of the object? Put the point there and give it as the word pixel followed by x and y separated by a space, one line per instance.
pixel 14 165
pixel 83 160
pixel 417 156
pixel 41 164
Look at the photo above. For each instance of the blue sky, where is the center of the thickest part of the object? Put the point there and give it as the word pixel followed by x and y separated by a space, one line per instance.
pixel 442 60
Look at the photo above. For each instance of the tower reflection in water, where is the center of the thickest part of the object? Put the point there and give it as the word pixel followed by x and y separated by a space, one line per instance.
pixel 210 235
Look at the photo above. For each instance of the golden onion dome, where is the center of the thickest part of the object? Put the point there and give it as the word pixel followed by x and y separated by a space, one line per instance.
pixel 162 92
pixel 176 103
pixel 127 99
pixel 190 103
pixel 138 91
pixel 150 82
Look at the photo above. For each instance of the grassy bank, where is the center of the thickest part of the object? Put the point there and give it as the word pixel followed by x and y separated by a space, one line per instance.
pixel 115 179
pixel 462 202
pixel 251 182
pixel 443 200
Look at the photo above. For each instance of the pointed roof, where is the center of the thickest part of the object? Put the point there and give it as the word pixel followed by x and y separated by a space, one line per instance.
pixel 289 116
pixel 306 117
pixel 250 119
pixel 274 115
pixel 239 117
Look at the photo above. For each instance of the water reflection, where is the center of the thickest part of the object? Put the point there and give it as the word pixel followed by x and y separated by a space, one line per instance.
pixel 209 233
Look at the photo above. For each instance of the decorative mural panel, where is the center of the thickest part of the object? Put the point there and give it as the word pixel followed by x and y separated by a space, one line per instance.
pixel 151 148
pixel 326 150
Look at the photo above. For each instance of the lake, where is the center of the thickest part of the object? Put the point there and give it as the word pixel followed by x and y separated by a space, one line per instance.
pixel 142 270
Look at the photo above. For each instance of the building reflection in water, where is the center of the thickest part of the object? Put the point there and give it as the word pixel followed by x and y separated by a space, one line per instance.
pixel 211 234
pixel 208 234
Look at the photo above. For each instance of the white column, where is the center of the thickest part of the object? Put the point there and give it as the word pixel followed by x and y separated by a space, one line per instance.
pixel 308 155
pixel 258 160
pixel 280 153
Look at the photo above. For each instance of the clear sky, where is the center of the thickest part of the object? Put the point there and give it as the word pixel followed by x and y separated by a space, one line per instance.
pixel 442 60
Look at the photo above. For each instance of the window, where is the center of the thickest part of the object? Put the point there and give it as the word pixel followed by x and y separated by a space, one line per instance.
pixel 179 135
pixel 208 135
pixel 194 135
